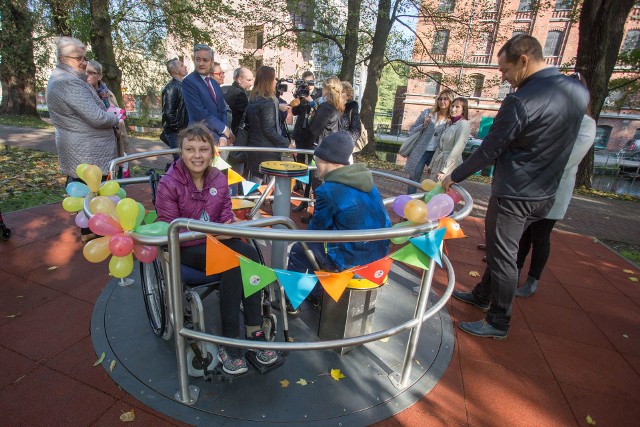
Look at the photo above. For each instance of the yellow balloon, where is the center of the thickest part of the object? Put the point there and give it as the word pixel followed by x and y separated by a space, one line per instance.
pixel 80 170
pixel 92 175
pixel 428 184
pixel 121 266
pixel 109 188
pixel 72 204
pixel 127 210
pixel 416 211
pixel 97 250
pixel 102 204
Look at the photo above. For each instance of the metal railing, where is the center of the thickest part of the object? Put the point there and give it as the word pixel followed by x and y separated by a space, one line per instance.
pixel 199 229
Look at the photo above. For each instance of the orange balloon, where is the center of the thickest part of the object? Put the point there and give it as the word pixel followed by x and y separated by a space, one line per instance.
pixel 428 184
pixel 453 228
pixel 416 211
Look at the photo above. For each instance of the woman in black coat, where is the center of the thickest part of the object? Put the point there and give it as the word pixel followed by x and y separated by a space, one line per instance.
pixel 264 124
pixel 328 116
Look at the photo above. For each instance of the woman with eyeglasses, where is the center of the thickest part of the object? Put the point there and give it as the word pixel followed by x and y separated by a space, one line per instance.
pixel 84 127
pixel 431 123
pixel 94 78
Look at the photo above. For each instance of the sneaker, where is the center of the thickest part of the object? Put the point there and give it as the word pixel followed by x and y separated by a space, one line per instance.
pixel 265 357
pixel 232 359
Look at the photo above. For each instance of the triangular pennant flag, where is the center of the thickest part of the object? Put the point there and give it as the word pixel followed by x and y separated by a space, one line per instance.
pixel 375 271
pixel 233 177
pixel 262 189
pixel 431 244
pixel 220 164
pixel 249 187
pixel 411 255
pixel 255 276
pixel 296 285
pixel 304 179
pixel 334 283
pixel 453 228
pixel 219 257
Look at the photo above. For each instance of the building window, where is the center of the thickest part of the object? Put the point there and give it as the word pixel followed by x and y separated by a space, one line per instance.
pixel 253 36
pixel 440 42
pixel 553 44
pixel 516 32
pixel 603 132
pixel 433 84
pixel 564 4
pixel 483 46
pixel 631 41
pixel 478 82
pixel 525 6
pixel 446 6
pixel 505 89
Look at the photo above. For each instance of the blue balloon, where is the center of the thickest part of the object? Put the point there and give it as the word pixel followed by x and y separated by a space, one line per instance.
pixel 77 189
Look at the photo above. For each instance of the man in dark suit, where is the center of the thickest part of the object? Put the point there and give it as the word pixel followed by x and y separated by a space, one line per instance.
pixel 204 98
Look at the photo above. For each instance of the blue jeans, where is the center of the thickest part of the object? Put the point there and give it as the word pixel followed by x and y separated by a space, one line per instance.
pixel 299 262
pixel 172 139
pixel 416 176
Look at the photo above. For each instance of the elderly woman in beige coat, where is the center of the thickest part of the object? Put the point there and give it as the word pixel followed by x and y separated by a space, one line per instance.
pixel 448 155
pixel 84 128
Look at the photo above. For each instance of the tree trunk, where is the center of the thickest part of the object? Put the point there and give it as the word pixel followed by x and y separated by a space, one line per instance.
pixel 17 70
pixel 102 46
pixel 374 71
pixel 601 31
pixel 347 69
pixel 60 16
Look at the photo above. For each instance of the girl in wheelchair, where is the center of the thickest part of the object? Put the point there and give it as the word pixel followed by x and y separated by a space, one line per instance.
pixel 192 188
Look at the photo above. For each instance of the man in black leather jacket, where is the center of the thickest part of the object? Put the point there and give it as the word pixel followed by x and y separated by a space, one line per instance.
pixel 529 142
pixel 237 95
pixel 174 112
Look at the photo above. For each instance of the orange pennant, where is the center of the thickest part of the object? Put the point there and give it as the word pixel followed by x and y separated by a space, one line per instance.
pixel 262 188
pixel 334 283
pixel 219 257
pixel 376 271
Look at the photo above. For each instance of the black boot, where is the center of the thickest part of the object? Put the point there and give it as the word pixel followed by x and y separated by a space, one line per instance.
pixel 302 206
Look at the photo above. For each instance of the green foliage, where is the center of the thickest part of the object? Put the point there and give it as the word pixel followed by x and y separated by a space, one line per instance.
pixel 623 91
pixel 24 121
pixel 393 75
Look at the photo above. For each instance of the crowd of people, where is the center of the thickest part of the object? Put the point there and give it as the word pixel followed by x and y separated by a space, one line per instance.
pixel 539 135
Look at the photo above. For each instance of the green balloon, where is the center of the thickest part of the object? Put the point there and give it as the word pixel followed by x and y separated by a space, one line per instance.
pixel 141 214
pixel 403 239
pixel 150 217
pixel 435 191
pixel 156 229
pixel 121 193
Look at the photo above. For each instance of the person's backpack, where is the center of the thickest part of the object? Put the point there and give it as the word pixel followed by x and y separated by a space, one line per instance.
pixel 363 139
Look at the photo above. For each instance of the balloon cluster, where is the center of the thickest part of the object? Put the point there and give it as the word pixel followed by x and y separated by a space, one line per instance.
pixel 436 205
pixel 114 217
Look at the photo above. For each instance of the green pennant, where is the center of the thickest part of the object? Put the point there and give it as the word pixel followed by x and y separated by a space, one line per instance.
pixel 255 276
pixel 411 255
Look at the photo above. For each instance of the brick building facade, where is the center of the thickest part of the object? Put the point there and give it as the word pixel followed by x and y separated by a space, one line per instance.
pixel 460 51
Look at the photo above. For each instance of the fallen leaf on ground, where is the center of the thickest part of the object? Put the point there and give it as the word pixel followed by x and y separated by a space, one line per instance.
pixel 19 296
pixel 128 417
pixel 633 279
pixel 302 382
pixel 100 359
pixel 284 383
pixel 11 316
pixel 336 374
pixel 595 240
pixel 590 420
pixel 112 365
pixel 625 336
pixel 53 267
pixel 384 339
pixel 474 274
pixel 626 270
pixel 291 339
pixel 417 361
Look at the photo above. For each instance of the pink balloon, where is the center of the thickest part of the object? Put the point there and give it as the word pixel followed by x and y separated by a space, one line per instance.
pixel 121 245
pixel 145 253
pixel 440 206
pixel 104 225
pixel 454 195
pixel 398 204
pixel 81 220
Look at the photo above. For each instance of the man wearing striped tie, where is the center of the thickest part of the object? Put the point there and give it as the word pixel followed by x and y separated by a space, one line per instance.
pixel 204 98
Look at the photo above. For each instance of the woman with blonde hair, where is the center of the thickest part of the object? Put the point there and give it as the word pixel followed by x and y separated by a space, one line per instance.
pixel 327 119
pixel 431 122
pixel 264 123
pixel 351 116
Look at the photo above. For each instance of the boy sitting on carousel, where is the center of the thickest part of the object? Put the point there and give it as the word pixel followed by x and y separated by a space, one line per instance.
pixel 347 200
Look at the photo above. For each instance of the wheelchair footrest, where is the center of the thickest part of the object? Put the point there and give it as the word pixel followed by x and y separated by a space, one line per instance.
pixel 259 367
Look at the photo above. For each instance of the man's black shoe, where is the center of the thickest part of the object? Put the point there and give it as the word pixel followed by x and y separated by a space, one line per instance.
pixel 302 206
pixel 469 299
pixel 482 329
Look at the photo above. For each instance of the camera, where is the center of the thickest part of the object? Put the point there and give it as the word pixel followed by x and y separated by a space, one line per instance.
pixel 281 85
pixel 302 88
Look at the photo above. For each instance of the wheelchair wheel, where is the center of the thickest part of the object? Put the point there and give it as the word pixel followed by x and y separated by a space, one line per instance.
pixel 153 292
pixel 270 327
